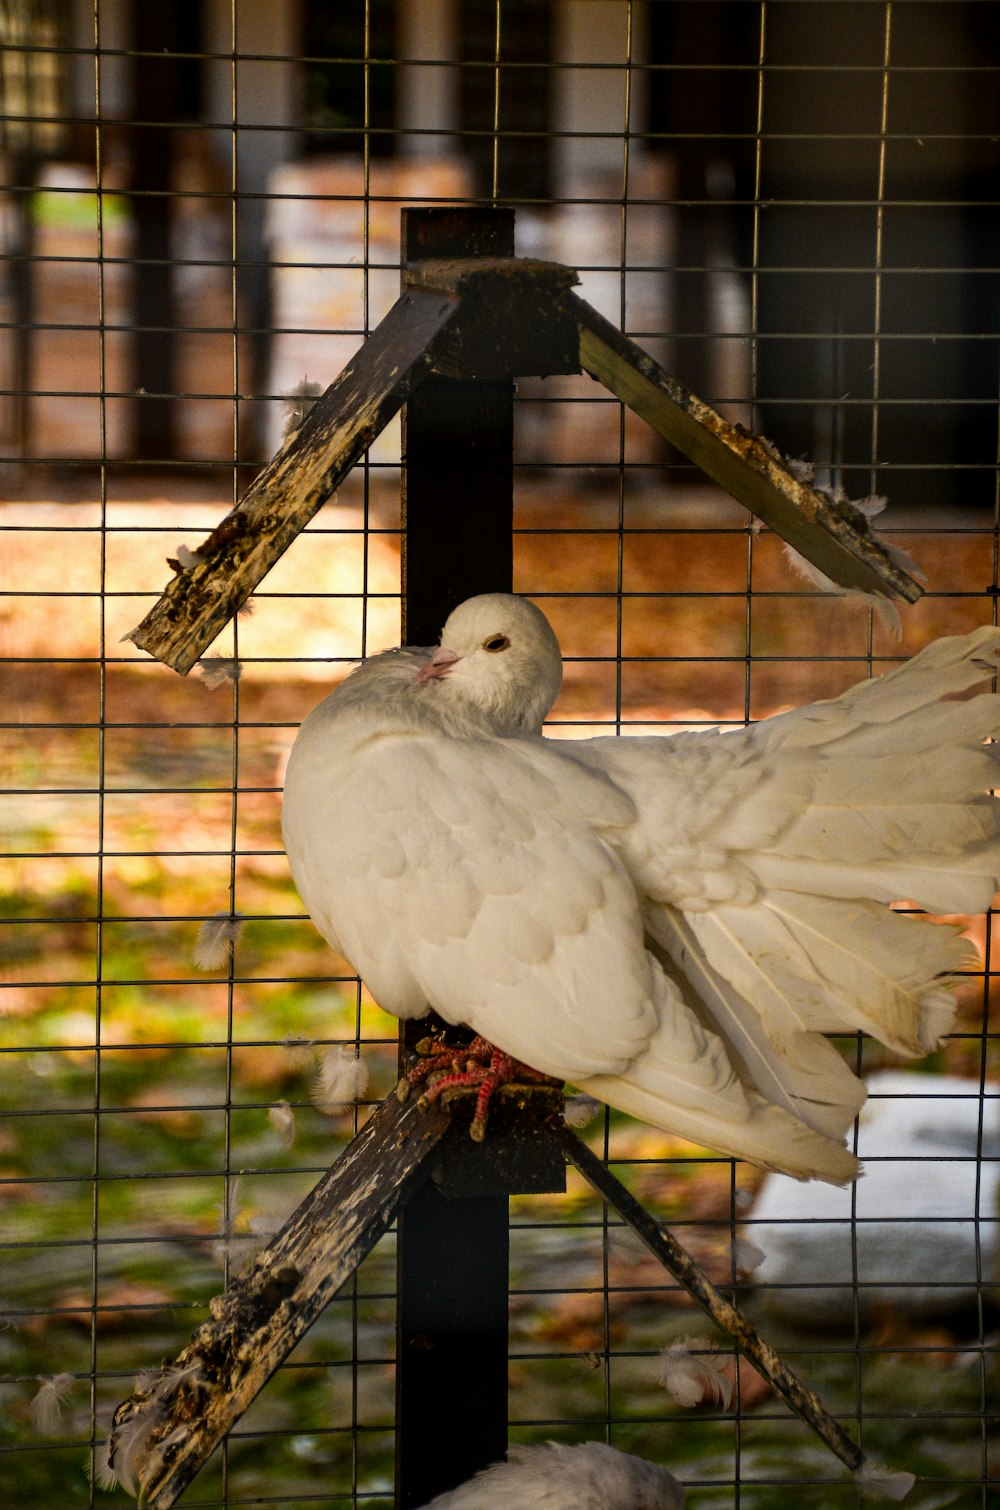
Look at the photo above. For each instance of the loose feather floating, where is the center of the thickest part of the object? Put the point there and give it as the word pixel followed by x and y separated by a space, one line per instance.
pixel 580 1110
pixel 187 558
pixel 297 403
pixel 117 1460
pixel 282 1119
pixel 216 936
pixel 672 924
pixel 342 1079
pixel 235 1225
pixel 860 511
pixel 218 669
pixel 104 1476
pixel 747 1256
pixel 885 1483
pixel 690 1377
pixel 47 1404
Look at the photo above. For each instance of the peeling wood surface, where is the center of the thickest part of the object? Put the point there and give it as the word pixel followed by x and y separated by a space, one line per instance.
pixel 317 457
pixel 678 1262
pixel 255 1324
pixel 840 545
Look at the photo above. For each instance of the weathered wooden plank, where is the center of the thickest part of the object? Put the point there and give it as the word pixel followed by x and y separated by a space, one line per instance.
pixel 297 481
pixel 674 1258
pixel 164 1435
pixel 837 541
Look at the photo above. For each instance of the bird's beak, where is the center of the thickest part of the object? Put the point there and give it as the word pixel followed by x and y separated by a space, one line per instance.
pixel 438 666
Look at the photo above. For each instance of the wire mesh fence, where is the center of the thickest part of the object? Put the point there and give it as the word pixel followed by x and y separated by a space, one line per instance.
pixel 792 206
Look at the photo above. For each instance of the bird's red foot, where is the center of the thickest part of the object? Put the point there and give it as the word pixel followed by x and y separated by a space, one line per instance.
pixel 475 1066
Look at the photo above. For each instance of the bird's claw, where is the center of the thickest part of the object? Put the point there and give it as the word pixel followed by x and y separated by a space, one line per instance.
pixel 478 1066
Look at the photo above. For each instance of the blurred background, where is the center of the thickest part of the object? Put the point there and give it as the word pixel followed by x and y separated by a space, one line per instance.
pixel 793 205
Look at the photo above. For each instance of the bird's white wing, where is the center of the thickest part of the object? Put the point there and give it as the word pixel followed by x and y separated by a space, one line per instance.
pixel 480 877
pixel 765 858
pixel 475 876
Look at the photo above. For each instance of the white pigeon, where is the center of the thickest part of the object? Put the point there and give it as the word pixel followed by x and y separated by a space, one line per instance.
pixel 556 1477
pixel 671 923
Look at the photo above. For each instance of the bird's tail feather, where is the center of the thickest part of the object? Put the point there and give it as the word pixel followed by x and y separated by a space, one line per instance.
pixel 899 808
pixel 943 669
pixel 807 1076
pixel 725 1115
pixel 816 964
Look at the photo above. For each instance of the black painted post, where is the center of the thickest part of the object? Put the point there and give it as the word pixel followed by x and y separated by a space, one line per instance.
pixel 452 1264
pixel 156 108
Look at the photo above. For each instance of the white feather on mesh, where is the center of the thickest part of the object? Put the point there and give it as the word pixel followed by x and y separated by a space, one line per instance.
pixel 689 1377
pixel 235 1224
pixel 119 1462
pixel 801 470
pixel 885 1483
pixel 747 1256
pixel 102 1473
pixel 216 936
pixel 863 510
pixel 129 1448
pixel 168 1380
pixel 342 1079
pixel 579 1110
pixel 216 669
pixel 47 1404
pixel 282 1119
pixel 297 403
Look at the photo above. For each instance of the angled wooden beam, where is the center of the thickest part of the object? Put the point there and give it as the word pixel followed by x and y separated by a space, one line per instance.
pixel 835 538
pixel 679 1263
pixel 164 1434
pixel 314 461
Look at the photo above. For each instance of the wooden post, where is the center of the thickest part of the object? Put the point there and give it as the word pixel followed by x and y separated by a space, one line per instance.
pixel 452 1263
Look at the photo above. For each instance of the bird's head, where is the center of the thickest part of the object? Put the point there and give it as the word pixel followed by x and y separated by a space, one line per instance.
pixel 498 656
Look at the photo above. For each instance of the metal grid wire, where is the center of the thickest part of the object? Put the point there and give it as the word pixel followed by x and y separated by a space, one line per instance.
pixel 794 206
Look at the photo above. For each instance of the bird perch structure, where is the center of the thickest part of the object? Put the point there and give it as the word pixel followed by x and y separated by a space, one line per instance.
pixel 470 318
pixel 479 319
pixel 253 1327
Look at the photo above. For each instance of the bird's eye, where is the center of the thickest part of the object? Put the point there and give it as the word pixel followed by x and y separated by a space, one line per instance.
pixel 496 642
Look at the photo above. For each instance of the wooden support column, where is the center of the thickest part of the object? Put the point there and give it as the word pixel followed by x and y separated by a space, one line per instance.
pixel 452 1264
